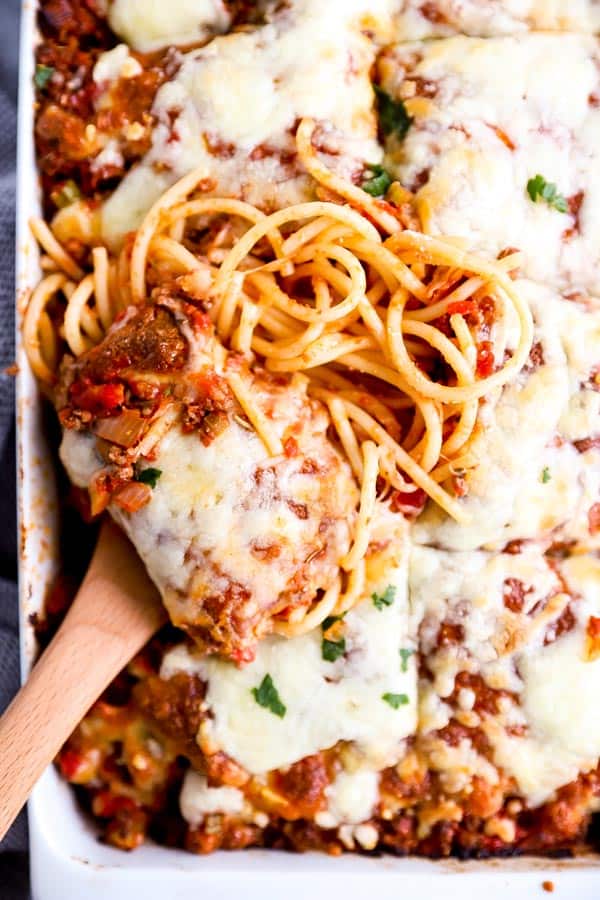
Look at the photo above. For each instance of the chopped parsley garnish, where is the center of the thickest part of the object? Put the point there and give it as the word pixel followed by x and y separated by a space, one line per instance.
pixel 329 621
pixel 266 695
pixel 405 655
pixel 540 189
pixel 332 650
pixel 392 114
pixel 67 194
pixel 378 183
pixel 396 700
pixel 42 76
pixel 148 476
pixel 385 599
pixel 545 477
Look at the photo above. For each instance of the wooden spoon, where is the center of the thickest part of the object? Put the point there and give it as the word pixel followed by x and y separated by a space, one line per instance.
pixel 116 610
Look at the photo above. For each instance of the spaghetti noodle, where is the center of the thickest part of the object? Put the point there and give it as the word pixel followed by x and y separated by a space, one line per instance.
pixel 401 335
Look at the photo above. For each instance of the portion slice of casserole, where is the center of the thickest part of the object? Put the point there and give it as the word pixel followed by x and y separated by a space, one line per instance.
pixel 233 532
pixel 503 147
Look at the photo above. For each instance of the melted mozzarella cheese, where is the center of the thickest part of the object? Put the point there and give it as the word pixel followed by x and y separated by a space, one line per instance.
pixel 197 800
pixel 197 502
pixel 466 589
pixel 555 685
pixel 216 508
pixel 526 432
pixel 110 156
pixel 149 25
pixel 325 702
pixel 560 708
pixel 114 64
pixel 479 138
pixel 247 90
pixel 196 499
pixel 580 336
pixel 419 19
pixel 79 457
pixel 351 799
pixel 458 765
pixel 559 702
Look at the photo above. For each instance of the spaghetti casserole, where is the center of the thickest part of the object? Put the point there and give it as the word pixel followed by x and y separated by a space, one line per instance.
pixel 318 317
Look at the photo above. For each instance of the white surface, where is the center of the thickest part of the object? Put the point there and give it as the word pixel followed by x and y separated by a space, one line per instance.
pixel 67 861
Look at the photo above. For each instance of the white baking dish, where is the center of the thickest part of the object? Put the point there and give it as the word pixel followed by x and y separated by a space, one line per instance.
pixel 67 861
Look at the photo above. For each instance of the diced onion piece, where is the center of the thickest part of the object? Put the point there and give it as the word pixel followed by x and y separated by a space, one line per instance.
pixel 125 429
pixel 133 496
pixel 99 496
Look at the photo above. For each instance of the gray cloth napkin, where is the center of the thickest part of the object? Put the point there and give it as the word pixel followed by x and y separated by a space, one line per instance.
pixel 13 868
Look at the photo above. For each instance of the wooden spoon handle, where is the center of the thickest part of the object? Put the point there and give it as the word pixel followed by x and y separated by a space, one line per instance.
pixel 117 610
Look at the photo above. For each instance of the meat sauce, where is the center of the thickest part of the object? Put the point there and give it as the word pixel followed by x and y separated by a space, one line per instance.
pixel 69 129
pixel 129 761
pixel 129 756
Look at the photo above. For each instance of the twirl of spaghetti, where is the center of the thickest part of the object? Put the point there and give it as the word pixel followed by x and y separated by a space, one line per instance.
pixel 377 318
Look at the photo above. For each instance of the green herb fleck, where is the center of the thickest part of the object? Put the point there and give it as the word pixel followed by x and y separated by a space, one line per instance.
pixel 545 477
pixel 385 599
pixel 42 76
pixel 266 695
pixel 392 114
pixel 148 476
pixel 540 189
pixel 67 194
pixel 329 621
pixel 405 655
pixel 332 650
pixel 379 182
pixel 396 700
